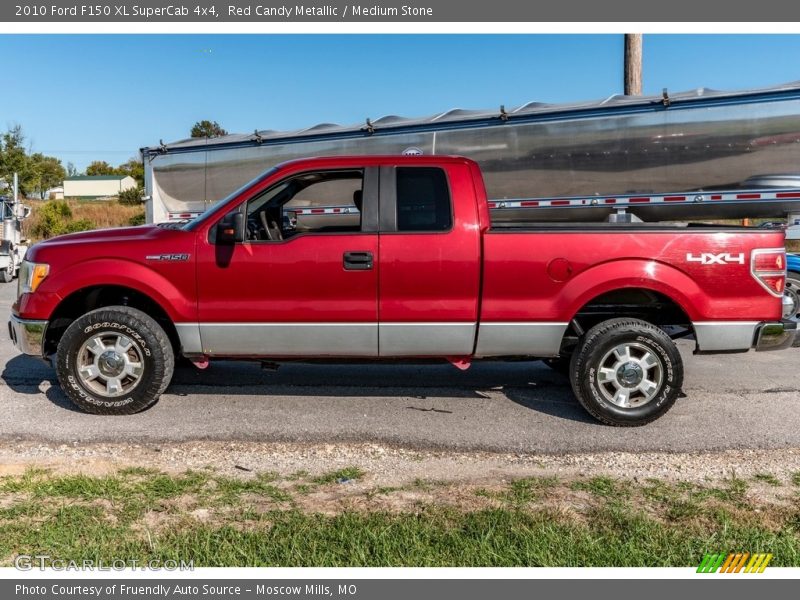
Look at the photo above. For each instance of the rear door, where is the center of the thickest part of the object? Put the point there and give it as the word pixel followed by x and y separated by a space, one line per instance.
pixel 429 259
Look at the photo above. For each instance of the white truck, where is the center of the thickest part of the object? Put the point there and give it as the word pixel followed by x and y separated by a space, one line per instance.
pixel 12 245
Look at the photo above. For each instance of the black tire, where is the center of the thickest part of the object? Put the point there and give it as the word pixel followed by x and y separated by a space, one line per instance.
pixel 148 347
pixel 7 274
pixel 646 343
pixel 793 289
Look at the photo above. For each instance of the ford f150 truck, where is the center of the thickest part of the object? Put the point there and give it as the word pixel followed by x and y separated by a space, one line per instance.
pixel 406 265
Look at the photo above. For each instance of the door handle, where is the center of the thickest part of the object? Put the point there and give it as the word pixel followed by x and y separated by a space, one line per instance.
pixel 357 261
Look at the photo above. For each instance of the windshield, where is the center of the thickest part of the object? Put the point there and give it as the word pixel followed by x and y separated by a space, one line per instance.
pixel 204 216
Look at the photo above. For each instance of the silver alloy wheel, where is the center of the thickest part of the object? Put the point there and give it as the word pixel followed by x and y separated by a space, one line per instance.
pixel 110 364
pixel 793 291
pixel 630 375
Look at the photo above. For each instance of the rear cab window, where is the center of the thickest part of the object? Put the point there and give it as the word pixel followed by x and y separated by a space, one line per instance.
pixel 423 199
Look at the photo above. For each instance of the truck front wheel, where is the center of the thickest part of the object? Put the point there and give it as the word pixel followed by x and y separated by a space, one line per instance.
pixel 114 361
pixel 626 372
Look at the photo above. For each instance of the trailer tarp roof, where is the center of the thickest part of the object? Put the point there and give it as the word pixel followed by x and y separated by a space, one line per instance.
pixel 461 117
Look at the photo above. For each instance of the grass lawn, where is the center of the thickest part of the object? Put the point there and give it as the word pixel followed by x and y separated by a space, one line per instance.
pixel 339 519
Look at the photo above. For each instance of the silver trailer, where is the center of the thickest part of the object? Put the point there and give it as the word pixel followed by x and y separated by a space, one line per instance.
pixel 579 155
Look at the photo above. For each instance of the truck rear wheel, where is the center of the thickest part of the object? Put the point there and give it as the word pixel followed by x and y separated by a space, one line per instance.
pixel 114 361
pixel 793 289
pixel 626 372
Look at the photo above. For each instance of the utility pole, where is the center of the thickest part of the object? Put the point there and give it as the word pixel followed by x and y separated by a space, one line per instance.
pixel 633 64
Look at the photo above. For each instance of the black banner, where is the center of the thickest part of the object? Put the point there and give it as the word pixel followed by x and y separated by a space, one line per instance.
pixel 393 589
pixel 408 11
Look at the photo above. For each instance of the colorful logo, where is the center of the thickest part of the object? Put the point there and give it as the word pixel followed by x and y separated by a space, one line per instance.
pixel 734 563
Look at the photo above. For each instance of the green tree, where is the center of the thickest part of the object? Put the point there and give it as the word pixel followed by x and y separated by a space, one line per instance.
pixel 46 172
pixel 135 168
pixel 100 167
pixel 207 129
pixel 14 159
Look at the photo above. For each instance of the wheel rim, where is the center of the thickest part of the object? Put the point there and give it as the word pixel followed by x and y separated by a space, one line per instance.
pixel 793 291
pixel 110 364
pixel 630 375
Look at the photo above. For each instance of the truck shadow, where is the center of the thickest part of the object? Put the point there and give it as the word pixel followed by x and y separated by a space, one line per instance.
pixel 25 374
pixel 530 385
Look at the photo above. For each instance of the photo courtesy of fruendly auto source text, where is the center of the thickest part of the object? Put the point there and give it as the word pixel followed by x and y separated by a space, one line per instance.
pixel 399 299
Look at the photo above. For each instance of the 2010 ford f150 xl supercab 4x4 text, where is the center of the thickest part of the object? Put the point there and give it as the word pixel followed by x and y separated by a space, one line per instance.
pixel 406 265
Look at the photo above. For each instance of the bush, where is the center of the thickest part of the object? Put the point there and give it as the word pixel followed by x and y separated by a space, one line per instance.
pixel 79 225
pixel 137 219
pixel 131 196
pixel 55 218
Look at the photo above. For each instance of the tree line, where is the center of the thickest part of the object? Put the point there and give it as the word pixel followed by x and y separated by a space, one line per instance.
pixel 38 173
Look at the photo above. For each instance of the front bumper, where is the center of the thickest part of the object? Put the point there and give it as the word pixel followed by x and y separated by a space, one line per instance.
pixel 28 336
pixel 776 335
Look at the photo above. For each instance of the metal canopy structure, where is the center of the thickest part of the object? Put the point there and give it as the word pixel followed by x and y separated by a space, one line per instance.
pixel 458 117
pixel 699 141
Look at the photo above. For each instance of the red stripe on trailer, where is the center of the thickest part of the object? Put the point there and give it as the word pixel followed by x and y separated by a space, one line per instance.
pixel 674 198
pixel 492 204
pixel 716 197
pixel 788 195
pixel 611 200
pixel 529 203
pixel 638 200
pixel 748 196
pixel 316 211
pixel 558 203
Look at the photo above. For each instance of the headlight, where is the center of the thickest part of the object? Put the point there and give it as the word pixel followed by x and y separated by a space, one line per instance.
pixel 30 276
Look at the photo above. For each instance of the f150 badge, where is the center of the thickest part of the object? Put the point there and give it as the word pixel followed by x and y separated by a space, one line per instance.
pixel 168 257
pixel 709 258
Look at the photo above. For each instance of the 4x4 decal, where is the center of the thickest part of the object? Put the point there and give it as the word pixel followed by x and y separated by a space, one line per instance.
pixel 709 258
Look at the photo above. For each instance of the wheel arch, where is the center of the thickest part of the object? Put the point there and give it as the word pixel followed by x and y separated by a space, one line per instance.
pixel 83 300
pixel 642 302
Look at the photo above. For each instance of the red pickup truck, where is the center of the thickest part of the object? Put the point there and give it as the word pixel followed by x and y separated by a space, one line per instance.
pixel 396 257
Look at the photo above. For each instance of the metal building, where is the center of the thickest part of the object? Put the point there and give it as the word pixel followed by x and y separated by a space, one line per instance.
pixel 97 186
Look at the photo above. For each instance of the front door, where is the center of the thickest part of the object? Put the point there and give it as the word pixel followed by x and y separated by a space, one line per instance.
pixel 304 282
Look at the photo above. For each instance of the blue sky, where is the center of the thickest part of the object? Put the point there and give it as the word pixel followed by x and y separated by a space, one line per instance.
pixel 96 97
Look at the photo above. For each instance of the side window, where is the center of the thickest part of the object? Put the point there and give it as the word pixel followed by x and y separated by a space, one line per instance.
pixel 423 199
pixel 317 202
